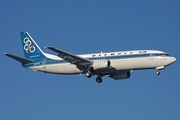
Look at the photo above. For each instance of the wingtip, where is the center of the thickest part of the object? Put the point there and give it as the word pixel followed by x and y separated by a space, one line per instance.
pixel 5 53
pixel 49 47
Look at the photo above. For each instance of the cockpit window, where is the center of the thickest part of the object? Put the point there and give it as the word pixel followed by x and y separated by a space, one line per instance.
pixel 164 54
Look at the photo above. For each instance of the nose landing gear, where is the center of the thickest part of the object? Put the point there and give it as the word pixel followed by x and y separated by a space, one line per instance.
pixel 157 73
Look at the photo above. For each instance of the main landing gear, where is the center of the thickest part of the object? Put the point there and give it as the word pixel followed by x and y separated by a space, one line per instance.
pixel 88 74
pixel 99 79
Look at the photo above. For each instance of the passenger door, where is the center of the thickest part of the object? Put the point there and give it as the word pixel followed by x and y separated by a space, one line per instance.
pixel 151 57
pixel 44 63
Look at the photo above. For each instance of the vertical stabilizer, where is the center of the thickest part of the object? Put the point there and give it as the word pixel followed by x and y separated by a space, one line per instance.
pixel 31 50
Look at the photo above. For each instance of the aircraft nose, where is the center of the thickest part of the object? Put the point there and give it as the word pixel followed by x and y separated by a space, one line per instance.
pixel 173 59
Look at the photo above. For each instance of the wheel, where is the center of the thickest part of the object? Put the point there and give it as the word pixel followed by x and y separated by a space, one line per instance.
pixel 98 79
pixel 88 74
pixel 157 73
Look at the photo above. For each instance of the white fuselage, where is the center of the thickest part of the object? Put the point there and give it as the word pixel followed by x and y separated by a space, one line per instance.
pixel 116 65
pixel 125 60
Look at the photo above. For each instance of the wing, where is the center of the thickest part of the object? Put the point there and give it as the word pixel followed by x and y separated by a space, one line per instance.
pixel 73 59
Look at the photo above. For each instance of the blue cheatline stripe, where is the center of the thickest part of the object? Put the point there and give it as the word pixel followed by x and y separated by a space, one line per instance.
pixel 113 57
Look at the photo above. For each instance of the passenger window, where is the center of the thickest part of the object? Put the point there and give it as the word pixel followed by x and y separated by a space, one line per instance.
pixel 93 55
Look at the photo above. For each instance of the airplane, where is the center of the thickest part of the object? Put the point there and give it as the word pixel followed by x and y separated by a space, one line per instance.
pixel 116 65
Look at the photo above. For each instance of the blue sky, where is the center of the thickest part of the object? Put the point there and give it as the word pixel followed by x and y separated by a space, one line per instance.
pixel 87 27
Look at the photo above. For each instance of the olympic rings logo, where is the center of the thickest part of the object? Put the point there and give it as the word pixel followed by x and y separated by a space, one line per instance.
pixel 28 46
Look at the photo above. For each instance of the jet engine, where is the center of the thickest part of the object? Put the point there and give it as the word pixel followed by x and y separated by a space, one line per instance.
pixel 120 75
pixel 101 64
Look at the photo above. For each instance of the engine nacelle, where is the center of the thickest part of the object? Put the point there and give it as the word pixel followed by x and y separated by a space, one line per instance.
pixel 120 75
pixel 101 64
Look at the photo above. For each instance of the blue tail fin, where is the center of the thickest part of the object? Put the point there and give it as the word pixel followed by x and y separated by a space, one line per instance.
pixel 31 50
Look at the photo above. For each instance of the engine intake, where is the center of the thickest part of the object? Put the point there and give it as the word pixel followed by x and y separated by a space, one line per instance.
pixel 120 75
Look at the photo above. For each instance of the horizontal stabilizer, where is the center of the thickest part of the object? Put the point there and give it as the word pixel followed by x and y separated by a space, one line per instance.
pixel 22 60
pixel 73 59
